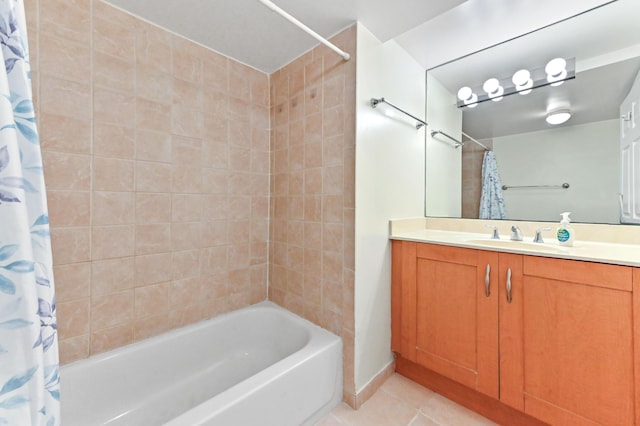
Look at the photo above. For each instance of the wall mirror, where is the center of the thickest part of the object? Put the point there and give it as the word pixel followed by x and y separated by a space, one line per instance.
pixel 536 160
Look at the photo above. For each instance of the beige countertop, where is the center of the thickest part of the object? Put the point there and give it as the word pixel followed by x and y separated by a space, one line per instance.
pixel 418 230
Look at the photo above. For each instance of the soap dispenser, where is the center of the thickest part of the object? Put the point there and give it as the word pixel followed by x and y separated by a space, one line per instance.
pixel 565 233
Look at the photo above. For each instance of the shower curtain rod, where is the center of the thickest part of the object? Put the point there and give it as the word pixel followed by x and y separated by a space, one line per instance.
pixel 374 103
pixel 306 29
pixel 475 141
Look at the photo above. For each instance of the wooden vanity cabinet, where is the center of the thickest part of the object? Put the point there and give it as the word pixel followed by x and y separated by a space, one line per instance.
pixel 557 347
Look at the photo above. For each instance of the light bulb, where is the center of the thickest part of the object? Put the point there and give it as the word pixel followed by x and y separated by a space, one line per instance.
pixel 556 70
pixel 522 80
pixel 491 85
pixel 465 93
pixel 472 102
pixel 522 77
pixel 493 89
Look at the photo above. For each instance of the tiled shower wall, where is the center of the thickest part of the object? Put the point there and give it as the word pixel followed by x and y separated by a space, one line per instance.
pixel 472 156
pixel 156 157
pixel 312 191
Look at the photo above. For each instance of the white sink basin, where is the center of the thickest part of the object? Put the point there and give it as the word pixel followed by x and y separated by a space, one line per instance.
pixel 522 245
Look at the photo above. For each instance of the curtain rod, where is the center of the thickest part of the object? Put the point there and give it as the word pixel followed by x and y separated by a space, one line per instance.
pixel 374 103
pixel 306 29
pixel 475 141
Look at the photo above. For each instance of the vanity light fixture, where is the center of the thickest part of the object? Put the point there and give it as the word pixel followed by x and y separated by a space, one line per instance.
pixel 466 95
pixel 556 70
pixel 493 89
pixel 523 82
pixel 558 116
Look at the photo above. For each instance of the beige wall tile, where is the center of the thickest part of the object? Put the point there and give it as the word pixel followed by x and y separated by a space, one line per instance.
pixel 153 146
pixel 112 275
pixel 73 349
pixel 114 73
pixel 152 115
pixel 151 300
pixel 136 190
pixel 113 39
pixel 67 171
pixel 72 281
pixel 110 174
pixel 65 98
pixel 66 18
pixel 73 318
pixel 58 133
pixel 153 84
pixel 109 242
pixel 153 177
pixel 66 59
pixel 68 208
pixel 70 245
pixel 114 107
pixel 153 208
pixel 111 309
pixel 112 208
pixel 111 338
pixel 113 141
pixel 153 268
pixel 154 238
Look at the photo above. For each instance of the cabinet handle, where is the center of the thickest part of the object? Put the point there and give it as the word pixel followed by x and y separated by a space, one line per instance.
pixel 487 292
pixel 509 285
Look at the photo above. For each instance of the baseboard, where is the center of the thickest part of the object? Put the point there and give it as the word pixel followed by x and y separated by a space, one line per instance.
pixel 475 401
pixel 356 401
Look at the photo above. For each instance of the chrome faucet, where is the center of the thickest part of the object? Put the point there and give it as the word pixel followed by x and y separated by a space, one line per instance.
pixel 538 237
pixel 494 234
pixel 516 234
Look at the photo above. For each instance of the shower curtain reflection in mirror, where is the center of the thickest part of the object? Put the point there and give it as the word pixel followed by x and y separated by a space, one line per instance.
pixel 29 392
pixel 491 201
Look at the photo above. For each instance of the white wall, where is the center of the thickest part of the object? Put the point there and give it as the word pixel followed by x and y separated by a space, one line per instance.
pixel 444 161
pixel 585 156
pixel 390 184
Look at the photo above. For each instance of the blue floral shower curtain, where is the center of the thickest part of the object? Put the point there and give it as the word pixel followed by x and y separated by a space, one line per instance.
pixel 491 201
pixel 29 392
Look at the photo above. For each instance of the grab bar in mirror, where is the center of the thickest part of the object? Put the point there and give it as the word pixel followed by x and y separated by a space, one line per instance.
pixel 563 186
pixel 440 132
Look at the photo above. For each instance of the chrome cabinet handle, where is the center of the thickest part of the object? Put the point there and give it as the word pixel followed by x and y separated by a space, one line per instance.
pixel 509 285
pixel 487 292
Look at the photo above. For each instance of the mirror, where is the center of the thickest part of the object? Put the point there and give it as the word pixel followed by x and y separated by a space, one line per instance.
pixel 536 160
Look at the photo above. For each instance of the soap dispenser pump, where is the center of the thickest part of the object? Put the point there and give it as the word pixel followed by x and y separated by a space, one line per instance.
pixel 565 233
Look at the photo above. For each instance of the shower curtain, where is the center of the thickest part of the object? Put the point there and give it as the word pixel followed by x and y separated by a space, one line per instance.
pixel 491 201
pixel 29 392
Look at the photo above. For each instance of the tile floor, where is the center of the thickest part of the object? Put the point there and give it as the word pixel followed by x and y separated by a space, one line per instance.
pixel 401 402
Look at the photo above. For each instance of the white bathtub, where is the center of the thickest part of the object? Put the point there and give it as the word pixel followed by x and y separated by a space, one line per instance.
pixel 261 365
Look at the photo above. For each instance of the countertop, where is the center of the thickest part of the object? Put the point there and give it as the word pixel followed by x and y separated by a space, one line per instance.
pixel 590 251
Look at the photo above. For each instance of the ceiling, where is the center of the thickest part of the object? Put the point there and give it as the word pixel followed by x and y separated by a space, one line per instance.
pixel 432 31
pixel 249 32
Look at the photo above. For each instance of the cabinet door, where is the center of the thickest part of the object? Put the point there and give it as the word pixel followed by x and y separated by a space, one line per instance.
pixel 566 342
pixel 456 315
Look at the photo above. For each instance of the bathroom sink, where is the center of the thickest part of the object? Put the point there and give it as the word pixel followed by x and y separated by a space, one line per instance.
pixel 522 245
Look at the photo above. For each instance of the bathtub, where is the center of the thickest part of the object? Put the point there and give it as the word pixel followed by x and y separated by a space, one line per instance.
pixel 260 365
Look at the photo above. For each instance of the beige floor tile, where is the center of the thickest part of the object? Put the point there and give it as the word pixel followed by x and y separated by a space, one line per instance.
pixel 448 413
pixel 407 390
pixel 422 420
pixel 330 420
pixel 381 409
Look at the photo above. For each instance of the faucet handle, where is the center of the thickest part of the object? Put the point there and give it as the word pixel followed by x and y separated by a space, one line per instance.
pixel 494 234
pixel 538 237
